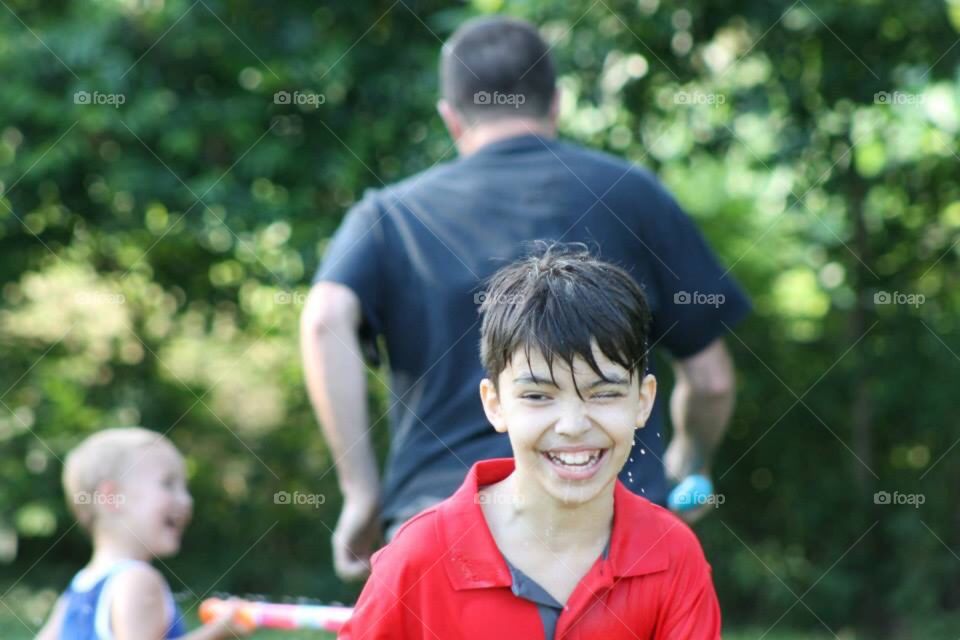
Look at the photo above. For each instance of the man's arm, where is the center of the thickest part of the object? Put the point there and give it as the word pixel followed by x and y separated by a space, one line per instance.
pixel 337 387
pixel 701 404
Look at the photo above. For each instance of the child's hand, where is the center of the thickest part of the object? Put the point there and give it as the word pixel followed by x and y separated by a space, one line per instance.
pixel 229 623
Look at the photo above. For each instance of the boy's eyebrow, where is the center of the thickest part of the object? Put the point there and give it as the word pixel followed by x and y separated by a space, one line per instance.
pixel 534 379
pixel 611 379
pixel 529 378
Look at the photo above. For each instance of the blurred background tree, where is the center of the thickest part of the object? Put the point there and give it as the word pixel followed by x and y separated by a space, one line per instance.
pixel 162 208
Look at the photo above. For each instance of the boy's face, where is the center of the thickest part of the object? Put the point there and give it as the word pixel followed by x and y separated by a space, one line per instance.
pixel 568 447
pixel 156 505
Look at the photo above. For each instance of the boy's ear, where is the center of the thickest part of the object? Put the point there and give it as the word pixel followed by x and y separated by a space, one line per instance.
pixel 491 405
pixel 648 393
pixel 108 496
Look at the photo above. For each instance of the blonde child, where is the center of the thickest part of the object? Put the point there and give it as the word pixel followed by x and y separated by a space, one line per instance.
pixel 127 489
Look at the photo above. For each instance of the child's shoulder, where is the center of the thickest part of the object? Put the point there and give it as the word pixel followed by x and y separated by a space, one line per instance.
pixel 141 603
pixel 416 539
pixel 667 532
pixel 140 578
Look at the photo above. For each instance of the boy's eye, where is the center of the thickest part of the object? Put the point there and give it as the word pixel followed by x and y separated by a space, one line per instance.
pixel 534 396
pixel 609 394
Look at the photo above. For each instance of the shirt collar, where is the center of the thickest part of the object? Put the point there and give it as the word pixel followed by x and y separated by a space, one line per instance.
pixel 473 560
pixel 514 143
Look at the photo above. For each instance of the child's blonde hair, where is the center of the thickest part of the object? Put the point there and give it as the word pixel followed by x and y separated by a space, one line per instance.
pixel 105 455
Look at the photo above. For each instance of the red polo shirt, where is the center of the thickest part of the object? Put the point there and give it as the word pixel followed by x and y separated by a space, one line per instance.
pixel 444 578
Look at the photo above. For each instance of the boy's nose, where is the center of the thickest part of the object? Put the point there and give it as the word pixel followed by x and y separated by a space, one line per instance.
pixel 574 420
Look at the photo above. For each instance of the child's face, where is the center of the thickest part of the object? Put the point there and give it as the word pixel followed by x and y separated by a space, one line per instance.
pixel 156 505
pixel 571 448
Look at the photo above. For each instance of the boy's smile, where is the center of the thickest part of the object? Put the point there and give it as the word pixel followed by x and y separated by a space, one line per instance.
pixel 577 463
pixel 157 505
pixel 568 446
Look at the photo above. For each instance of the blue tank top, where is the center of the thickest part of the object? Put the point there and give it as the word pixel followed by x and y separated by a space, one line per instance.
pixel 88 606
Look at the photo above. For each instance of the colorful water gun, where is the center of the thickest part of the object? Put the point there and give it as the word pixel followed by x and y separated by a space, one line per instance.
pixel 268 615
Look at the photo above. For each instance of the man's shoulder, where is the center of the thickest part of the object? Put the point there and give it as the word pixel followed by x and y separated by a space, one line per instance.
pixel 589 164
pixel 381 204
pixel 605 162
pixel 422 182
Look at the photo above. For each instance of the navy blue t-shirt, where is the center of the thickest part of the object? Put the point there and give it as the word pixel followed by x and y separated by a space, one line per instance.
pixel 416 254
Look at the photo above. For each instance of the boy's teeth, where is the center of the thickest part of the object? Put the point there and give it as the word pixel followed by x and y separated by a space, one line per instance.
pixel 579 458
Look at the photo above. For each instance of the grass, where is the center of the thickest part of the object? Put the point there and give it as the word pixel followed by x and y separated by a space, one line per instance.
pixel 21 614
pixel 12 629
pixel 20 620
pixel 23 610
pixel 755 633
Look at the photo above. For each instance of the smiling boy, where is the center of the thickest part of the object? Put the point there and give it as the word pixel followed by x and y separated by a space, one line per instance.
pixel 127 488
pixel 549 544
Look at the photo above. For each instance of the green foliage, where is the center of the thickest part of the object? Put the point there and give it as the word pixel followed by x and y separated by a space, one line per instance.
pixel 154 256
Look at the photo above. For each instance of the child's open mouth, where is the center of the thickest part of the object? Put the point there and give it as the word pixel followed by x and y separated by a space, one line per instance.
pixel 174 525
pixel 575 465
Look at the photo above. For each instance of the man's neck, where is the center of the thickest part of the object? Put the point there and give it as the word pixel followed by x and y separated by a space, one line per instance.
pixel 481 135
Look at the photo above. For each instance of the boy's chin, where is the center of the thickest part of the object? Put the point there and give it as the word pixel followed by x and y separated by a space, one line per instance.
pixel 166 548
pixel 571 495
pixel 566 491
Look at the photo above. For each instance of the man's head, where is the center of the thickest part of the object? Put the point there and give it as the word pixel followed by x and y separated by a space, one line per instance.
pixel 564 342
pixel 128 486
pixel 496 74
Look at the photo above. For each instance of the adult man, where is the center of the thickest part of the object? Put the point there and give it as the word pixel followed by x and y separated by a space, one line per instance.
pixel 409 261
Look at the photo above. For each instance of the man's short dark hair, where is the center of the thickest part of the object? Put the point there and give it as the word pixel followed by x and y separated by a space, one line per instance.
pixel 497 67
pixel 556 300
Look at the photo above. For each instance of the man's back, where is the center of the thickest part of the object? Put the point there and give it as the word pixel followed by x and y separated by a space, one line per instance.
pixel 416 255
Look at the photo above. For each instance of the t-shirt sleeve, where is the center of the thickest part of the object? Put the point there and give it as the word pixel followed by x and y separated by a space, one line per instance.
pixel 354 258
pixel 383 611
pixel 691 610
pixel 696 295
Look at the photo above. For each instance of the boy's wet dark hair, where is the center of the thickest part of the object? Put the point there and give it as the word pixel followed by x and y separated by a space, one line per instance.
pixel 558 298
pixel 496 66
